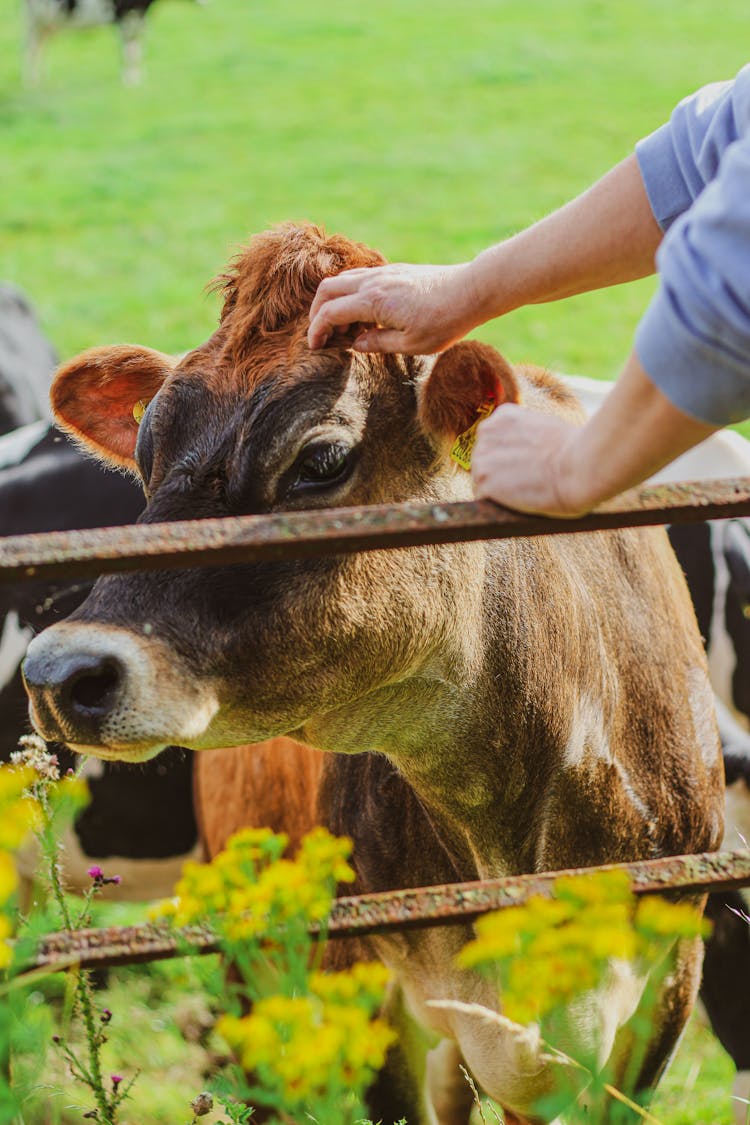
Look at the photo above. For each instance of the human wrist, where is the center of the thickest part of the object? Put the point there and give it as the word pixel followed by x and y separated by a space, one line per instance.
pixel 575 483
pixel 486 276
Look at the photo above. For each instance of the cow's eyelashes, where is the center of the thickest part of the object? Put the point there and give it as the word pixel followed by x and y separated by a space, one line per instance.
pixel 323 465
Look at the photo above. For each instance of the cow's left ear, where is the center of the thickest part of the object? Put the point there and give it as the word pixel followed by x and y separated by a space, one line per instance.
pixel 467 381
pixel 99 396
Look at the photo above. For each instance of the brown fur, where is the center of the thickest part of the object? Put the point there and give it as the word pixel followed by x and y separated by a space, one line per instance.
pixel 271 283
pixel 493 708
pixel 273 784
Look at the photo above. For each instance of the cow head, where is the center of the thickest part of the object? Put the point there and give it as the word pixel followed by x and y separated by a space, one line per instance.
pixel 253 422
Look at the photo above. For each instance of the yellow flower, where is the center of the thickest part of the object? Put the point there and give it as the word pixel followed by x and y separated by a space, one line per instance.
pixel 304 1046
pixel 365 982
pixel 19 812
pixel 249 887
pixel 8 876
pixel 73 791
pixel 604 887
pixel 14 780
pixel 165 908
pixel 657 917
pixel 548 951
pixel 322 853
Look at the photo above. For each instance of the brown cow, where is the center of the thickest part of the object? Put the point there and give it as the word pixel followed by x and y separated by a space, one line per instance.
pixel 526 704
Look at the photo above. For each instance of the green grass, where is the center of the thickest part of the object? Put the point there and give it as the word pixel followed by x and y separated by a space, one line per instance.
pixel 159 1021
pixel 426 129
pixel 696 1090
pixel 429 129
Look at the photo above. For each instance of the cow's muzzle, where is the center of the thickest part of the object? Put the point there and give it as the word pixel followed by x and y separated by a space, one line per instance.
pixel 114 692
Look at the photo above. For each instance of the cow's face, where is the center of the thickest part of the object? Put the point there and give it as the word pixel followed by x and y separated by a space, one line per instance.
pixel 221 656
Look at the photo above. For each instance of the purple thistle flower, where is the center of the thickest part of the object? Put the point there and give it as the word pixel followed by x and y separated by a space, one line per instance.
pixel 95 872
pixel 116 1080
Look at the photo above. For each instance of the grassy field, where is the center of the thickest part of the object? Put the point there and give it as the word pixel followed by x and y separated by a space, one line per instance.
pixel 428 129
pixel 160 1027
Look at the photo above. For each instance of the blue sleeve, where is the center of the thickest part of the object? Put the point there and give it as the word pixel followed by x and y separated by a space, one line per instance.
pixel 694 340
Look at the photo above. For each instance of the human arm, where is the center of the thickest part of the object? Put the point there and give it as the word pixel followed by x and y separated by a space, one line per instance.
pixel 605 236
pixel 690 371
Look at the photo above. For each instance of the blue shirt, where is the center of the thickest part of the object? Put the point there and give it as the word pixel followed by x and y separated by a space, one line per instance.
pixel 694 340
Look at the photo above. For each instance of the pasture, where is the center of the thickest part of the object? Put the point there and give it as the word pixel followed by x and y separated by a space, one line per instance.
pixel 427 130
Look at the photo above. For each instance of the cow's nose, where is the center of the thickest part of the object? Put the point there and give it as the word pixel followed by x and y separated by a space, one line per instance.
pixel 82 686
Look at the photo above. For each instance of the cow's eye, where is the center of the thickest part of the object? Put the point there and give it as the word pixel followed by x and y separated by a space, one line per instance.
pixel 323 465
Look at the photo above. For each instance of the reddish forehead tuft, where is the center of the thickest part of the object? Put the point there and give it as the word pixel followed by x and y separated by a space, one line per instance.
pixel 270 284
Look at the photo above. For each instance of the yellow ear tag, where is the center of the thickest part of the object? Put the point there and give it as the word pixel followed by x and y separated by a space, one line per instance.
pixel 140 409
pixel 464 444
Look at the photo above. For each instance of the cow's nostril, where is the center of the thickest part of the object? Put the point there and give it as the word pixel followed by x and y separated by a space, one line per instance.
pixel 92 690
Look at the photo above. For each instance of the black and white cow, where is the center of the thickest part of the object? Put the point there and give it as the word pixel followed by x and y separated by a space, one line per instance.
pixel 44 17
pixel 715 557
pixel 140 821
pixel 27 361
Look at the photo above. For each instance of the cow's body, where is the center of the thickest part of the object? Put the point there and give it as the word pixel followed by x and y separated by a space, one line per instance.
pixel 526 705
pixel 140 819
pixel 45 17
pixel 715 557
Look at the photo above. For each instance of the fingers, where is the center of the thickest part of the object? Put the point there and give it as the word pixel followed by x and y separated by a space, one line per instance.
pixel 387 340
pixel 338 303
pixel 337 286
pixel 337 312
pixel 400 308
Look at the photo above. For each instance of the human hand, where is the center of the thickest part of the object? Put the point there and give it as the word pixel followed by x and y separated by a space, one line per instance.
pixel 416 310
pixel 525 459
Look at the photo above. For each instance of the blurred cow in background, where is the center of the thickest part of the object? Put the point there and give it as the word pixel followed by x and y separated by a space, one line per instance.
pixel 27 361
pixel 140 820
pixel 44 17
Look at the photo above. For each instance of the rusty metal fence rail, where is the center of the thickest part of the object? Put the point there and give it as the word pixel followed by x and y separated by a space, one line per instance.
pixel 229 541
pixel 416 908
pixel 330 531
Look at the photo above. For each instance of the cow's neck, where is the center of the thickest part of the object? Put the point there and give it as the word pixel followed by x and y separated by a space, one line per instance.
pixel 445 741
pixel 476 729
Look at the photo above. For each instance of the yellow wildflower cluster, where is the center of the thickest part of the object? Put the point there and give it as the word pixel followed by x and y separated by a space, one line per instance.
pixel 306 1048
pixel 250 890
pixel 19 815
pixel 310 1041
pixel 550 950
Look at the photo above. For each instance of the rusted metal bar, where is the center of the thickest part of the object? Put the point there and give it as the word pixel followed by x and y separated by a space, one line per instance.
pixel 329 531
pixel 360 915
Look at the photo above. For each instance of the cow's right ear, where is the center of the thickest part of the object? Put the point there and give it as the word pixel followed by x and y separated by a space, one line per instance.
pixel 467 380
pixel 98 397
